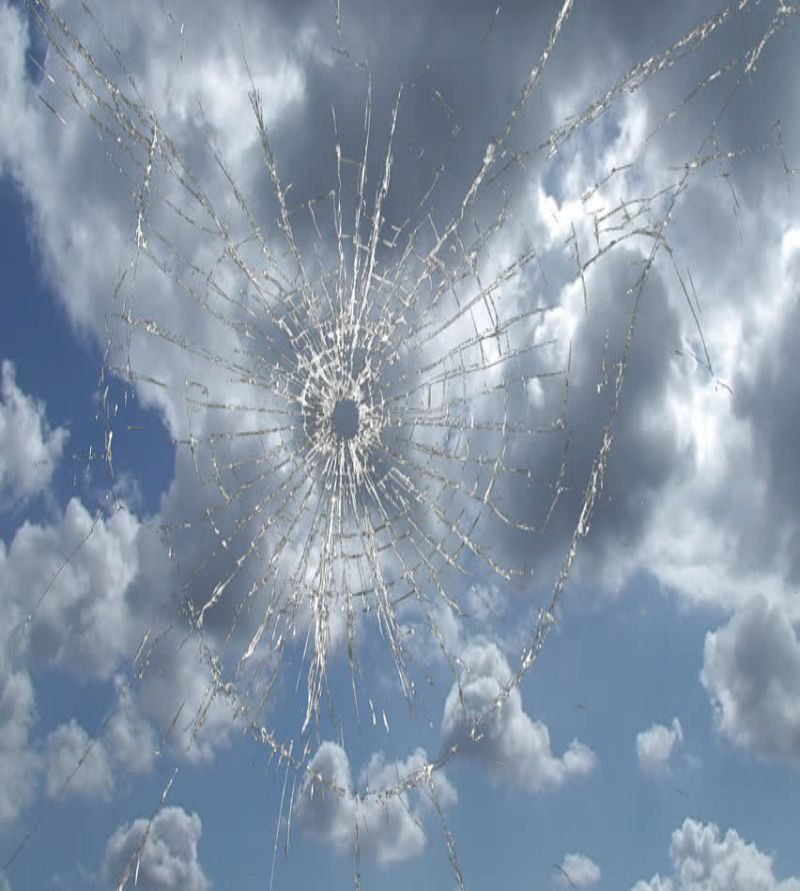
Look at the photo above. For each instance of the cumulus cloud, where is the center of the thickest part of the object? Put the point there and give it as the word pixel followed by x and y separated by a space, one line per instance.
pixel 76 765
pixel 751 670
pixel 92 586
pixel 19 764
pixel 130 738
pixel 513 746
pixel 169 859
pixel 78 578
pixel 84 566
pixel 704 860
pixel 655 746
pixel 390 828
pixel 29 449
pixel 178 684
pixel 578 871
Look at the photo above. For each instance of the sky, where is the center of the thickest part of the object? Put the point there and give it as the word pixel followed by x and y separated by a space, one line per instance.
pixel 531 619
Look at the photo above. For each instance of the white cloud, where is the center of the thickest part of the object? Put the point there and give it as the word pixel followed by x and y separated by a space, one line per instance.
pixel 655 746
pixel 751 670
pixel 74 576
pixel 169 857
pixel 5 885
pixel 178 685
pixel 320 811
pixel 390 828
pixel 29 449
pixel 578 871
pixel 513 746
pixel 19 764
pixel 14 37
pixel 379 774
pixel 77 765
pixel 214 91
pixel 703 860
pixel 92 587
pixel 130 738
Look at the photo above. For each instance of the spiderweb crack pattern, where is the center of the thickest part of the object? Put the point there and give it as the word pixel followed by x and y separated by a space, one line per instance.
pixel 358 395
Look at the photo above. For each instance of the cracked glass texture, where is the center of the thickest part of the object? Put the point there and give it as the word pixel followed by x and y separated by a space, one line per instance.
pixel 376 415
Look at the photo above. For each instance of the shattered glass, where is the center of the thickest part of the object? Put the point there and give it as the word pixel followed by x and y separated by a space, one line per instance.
pixel 374 385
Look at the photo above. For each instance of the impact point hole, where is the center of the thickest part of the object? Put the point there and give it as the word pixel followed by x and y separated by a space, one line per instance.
pixel 345 419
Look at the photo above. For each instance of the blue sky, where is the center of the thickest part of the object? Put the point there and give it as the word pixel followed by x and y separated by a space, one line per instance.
pixel 654 743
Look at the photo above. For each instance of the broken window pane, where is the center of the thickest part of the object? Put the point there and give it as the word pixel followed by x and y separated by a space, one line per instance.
pixel 393 366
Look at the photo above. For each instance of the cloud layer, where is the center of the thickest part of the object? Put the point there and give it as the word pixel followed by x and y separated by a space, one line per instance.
pixel 701 491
